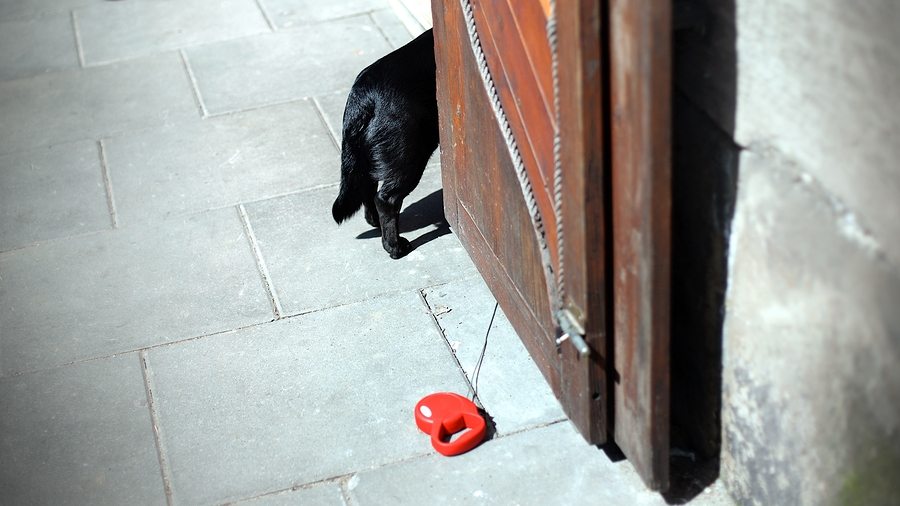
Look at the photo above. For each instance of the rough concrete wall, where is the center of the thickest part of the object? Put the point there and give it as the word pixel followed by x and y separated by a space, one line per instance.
pixel 820 80
pixel 810 89
pixel 811 406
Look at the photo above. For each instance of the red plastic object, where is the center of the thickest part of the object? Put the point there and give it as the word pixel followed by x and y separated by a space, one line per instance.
pixel 444 414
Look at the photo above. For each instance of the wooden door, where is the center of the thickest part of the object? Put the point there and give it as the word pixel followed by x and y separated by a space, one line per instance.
pixel 541 224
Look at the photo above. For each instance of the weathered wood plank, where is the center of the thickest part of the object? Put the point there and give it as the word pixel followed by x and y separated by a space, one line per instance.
pixel 492 220
pixel 518 80
pixel 446 59
pixel 640 80
pixel 584 217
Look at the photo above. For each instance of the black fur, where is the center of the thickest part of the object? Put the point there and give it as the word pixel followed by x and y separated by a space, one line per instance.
pixel 390 131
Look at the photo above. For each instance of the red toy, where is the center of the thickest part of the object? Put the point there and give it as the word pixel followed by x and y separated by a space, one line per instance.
pixel 444 414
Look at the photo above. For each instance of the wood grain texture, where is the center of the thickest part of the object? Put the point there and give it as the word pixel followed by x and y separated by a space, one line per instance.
pixel 640 80
pixel 584 217
pixel 514 40
pixel 447 58
pixel 492 220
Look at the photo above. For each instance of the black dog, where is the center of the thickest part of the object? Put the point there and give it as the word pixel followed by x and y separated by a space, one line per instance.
pixel 390 130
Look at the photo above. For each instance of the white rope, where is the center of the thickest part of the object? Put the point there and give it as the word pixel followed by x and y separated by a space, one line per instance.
pixel 555 283
pixel 557 158
pixel 563 319
pixel 518 164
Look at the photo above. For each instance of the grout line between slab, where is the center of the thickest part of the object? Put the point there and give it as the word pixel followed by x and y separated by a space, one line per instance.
pixel 345 490
pixel 531 427
pixel 188 213
pixel 157 220
pixel 265 105
pixel 257 107
pixel 440 330
pixel 265 15
pixel 260 263
pixel 381 29
pixel 344 479
pixel 389 293
pixel 79 49
pixel 342 17
pixel 154 420
pixel 103 63
pixel 177 342
pixel 136 350
pixel 195 88
pixel 261 199
pixel 328 126
pixel 107 184
pixel 341 479
pixel 294 488
pixel 9 253
pixel 162 219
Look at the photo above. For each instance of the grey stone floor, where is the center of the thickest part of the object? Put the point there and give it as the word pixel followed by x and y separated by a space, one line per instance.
pixel 181 321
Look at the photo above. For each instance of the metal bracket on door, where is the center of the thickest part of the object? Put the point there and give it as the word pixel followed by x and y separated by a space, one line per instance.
pixel 573 332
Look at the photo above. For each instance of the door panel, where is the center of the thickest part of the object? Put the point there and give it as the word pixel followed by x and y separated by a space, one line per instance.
pixel 640 85
pixel 482 199
pixel 584 155
pixel 514 41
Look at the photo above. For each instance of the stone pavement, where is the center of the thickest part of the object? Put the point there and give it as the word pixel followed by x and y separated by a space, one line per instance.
pixel 180 319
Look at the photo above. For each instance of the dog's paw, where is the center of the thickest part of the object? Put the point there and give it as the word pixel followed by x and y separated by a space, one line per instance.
pixel 401 249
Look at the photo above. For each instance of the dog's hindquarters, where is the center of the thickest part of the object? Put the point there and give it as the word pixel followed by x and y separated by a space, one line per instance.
pixel 390 129
pixel 357 186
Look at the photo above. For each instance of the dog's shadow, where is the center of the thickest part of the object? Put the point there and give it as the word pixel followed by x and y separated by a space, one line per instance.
pixel 428 211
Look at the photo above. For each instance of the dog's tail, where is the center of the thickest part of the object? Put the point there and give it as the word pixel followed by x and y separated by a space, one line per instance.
pixel 355 179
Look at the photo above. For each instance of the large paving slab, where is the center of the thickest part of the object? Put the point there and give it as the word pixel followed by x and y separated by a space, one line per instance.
pixel 315 263
pixel 510 386
pixel 121 290
pixel 112 31
pixel 31 47
pixel 86 104
pixel 283 66
pixel 291 13
pixel 79 435
pixel 220 161
pixel 326 494
pixel 298 400
pixel 51 192
pixel 550 465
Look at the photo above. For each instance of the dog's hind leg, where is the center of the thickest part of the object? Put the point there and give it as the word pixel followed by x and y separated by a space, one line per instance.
pixel 389 214
pixel 371 212
pixel 389 200
pixel 367 191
